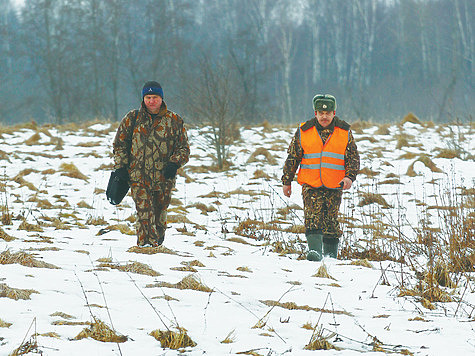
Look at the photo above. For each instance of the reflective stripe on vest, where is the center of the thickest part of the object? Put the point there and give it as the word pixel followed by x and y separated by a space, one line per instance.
pixel 322 164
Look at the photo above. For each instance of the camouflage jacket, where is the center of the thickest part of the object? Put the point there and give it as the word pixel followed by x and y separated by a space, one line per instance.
pixel 295 152
pixel 156 140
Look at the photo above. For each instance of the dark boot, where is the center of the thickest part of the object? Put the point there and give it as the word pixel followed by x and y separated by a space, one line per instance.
pixel 314 241
pixel 330 246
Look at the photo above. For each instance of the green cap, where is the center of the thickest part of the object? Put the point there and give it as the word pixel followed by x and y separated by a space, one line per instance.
pixel 324 102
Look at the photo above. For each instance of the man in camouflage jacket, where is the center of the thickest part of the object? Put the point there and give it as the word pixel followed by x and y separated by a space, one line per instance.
pixel 150 145
pixel 321 189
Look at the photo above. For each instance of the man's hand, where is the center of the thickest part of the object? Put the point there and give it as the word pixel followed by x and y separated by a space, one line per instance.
pixel 287 190
pixel 347 182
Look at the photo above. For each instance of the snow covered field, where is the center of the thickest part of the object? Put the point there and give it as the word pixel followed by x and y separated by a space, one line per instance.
pixel 231 235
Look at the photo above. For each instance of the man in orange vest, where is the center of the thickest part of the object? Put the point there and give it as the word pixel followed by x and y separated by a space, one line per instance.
pixel 326 152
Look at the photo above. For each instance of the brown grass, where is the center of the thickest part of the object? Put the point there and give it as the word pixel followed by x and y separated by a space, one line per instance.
pixel 363 263
pixel 151 250
pixel 368 172
pixel 318 342
pixel 5 236
pixel 294 306
pixel 427 162
pixel 205 209
pixel 62 315
pixel 134 267
pixel 23 259
pixel 412 118
pixel 173 339
pixel 14 293
pixel 70 170
pixel 369 198
pixel 261 151
pixel 4 324
pixel 323 272
pixel 101 332
pixel 189 282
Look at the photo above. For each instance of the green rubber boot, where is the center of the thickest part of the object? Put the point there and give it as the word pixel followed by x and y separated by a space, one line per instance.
pixel 314 241
pixel 330 246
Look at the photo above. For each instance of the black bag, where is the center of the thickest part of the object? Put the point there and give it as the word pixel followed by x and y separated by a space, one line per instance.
pixel 116 189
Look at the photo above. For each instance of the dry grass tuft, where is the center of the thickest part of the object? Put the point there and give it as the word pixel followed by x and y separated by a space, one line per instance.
pixel 70 170
pixel 323 272
pixel 23 259
pixel 134 267
pixel 62 315
pixel 368 172
pixel 448 153
pixel 412 118
pixel 151 250
pixel 294 306
pixel 230 338
pixel 319 342
pixel 173 339
pixel 50 334
pixel 101 332
pixel 363 262
pixel 30 227
pixel 189 282
pixel 27 347
pixel 427 162
pixel 369 198
pixel 14 293
pixel 203 207
pixel 5 236
pixel 259 173
pixel 4 324
pixel 383 129
pixel 261 151
pixel 359 126
pixel 33 140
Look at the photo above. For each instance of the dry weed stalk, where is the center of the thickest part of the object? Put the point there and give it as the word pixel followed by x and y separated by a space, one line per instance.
pixel 230 338
pixel 320 342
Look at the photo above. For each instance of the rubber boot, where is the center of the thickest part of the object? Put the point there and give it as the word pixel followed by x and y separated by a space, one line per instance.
pixel 314 241
pixel 330 246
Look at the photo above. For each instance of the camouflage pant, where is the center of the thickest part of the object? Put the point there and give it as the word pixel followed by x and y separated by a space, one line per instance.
pixel 321 208
pixel 151 212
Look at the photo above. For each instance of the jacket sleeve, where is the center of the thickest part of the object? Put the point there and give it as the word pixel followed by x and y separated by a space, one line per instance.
pixel 294 157
pixel 352 158
pixel 121 146
pixel 181 152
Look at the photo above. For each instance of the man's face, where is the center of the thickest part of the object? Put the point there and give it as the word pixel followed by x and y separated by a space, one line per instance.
pixel 325 117
pixel 153 103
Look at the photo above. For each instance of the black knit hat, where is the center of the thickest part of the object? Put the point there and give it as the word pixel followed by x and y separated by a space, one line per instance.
pixel 152 88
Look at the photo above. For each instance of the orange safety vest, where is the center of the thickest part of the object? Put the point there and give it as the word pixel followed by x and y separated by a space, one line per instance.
pixel 322 164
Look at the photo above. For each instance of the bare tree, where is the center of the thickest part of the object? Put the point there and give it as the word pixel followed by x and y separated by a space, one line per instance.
pixel 214 101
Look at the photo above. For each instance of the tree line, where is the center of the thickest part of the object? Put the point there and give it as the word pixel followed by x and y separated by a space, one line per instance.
pixel 243 60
